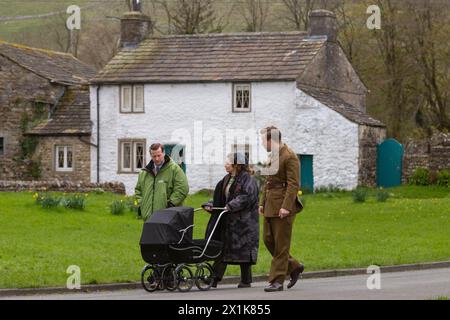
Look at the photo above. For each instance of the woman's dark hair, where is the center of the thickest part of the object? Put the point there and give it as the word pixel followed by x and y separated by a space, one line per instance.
pixel 240 164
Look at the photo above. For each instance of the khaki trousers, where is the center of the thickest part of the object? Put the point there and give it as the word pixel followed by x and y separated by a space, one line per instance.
pixel 277 238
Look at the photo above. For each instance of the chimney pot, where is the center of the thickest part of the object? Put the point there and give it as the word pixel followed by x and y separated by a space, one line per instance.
pixel 323 23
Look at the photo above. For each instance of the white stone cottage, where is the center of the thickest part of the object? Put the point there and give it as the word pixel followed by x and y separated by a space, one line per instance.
pixel 301 82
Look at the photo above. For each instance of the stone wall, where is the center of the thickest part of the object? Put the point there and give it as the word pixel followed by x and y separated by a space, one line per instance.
pixel 19 90
pixel 369 138
pixel 61 186
pixel 81 159
pixel 432 153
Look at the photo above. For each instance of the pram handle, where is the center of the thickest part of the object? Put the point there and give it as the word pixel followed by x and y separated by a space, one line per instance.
pixel 212 208
pixel 212 233
pixel 192 226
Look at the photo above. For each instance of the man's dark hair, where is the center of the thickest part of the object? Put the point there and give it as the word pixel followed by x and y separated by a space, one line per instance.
pixel 156 147
pixel 271 131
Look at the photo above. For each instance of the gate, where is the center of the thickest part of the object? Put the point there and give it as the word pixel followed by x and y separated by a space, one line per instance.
pixel 389 163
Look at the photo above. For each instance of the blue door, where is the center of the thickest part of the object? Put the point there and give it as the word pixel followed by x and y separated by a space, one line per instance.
pixel 306 173
pixel 176 155
pixel 389 164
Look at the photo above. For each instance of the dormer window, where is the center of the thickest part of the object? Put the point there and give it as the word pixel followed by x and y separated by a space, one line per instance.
pixel 242 97
pixel 132 99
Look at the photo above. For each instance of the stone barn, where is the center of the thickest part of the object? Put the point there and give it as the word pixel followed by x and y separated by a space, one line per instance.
pixel 45 124
pixel 164 89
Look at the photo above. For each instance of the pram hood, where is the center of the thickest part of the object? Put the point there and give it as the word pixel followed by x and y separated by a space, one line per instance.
pixel 164 226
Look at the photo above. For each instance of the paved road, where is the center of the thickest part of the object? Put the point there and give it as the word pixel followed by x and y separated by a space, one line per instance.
pixel 416 285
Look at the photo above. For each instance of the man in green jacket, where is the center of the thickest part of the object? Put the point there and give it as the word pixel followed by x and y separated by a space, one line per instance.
pixel 162 184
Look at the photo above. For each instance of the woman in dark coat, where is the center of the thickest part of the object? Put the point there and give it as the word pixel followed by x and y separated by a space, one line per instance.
pixel 239 227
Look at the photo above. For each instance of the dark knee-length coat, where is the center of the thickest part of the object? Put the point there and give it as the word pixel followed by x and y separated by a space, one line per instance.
pixel 238 228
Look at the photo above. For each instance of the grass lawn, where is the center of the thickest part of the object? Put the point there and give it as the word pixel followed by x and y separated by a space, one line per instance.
pixel 37 246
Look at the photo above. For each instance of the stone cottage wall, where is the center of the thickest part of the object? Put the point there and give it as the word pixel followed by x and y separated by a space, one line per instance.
pixel 81 159
pixel 19 90
pixel 369 138
pixel 433 154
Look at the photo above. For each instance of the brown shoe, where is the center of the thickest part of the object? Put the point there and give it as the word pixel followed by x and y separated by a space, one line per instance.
pixel 274 287
pixel 295 275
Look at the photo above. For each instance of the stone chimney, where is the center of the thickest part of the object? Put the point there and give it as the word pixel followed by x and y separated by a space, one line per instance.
pixel 323 23
pixel 135 27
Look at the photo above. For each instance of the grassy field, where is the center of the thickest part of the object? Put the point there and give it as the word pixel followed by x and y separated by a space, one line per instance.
pixel 9 30
pixel 37 246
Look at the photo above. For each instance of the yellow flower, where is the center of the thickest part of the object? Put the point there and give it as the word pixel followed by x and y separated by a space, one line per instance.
pixel 136 203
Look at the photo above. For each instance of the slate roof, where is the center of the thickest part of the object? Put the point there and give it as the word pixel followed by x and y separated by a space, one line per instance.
pixel 57 67
pixel 213 57
pixel 329 98
pixel 71 116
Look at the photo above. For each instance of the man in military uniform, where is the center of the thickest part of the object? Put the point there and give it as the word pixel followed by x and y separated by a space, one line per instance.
pixel 279 206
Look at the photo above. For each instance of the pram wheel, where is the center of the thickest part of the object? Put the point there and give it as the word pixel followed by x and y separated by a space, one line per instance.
pixel 169 278
pixel 204 277
pixel 150 278
pixel 184 278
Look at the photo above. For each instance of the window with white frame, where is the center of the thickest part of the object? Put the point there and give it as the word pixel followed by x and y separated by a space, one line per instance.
pixel 64 158
pixel 132 99
pixel 242 97
pixel 131 156
pixel 2 146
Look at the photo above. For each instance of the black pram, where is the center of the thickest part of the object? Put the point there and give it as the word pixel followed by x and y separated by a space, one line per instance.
pixel 167 245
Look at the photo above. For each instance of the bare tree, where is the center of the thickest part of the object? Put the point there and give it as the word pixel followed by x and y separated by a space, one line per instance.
pixel 391 48
pixel 298 12
pixel 255 13
pixel 348 28
pixel 429 19
pixel 191 16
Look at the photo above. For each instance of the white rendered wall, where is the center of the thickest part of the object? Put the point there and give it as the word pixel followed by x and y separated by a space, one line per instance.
pixel 330 138
pixel 308 127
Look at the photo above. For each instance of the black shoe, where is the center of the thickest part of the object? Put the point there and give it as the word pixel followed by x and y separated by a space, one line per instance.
pixel 244 285
pixel 295 275
pixel 214 284
pixel 274 287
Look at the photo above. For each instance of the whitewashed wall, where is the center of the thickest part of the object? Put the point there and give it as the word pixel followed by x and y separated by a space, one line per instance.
pixel 330 138
pixel 308 127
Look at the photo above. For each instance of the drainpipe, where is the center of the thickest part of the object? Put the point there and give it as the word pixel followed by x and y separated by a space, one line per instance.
pixel 98 133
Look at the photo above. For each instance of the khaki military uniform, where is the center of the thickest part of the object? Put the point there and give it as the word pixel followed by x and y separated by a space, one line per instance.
pixel 280 191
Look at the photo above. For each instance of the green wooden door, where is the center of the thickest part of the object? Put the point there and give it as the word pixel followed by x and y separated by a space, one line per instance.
pixel 306 173
pixel 389 163
pixel 177 156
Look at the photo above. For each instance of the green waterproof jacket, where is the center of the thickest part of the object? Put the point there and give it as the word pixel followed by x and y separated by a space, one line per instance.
pixel 168 189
